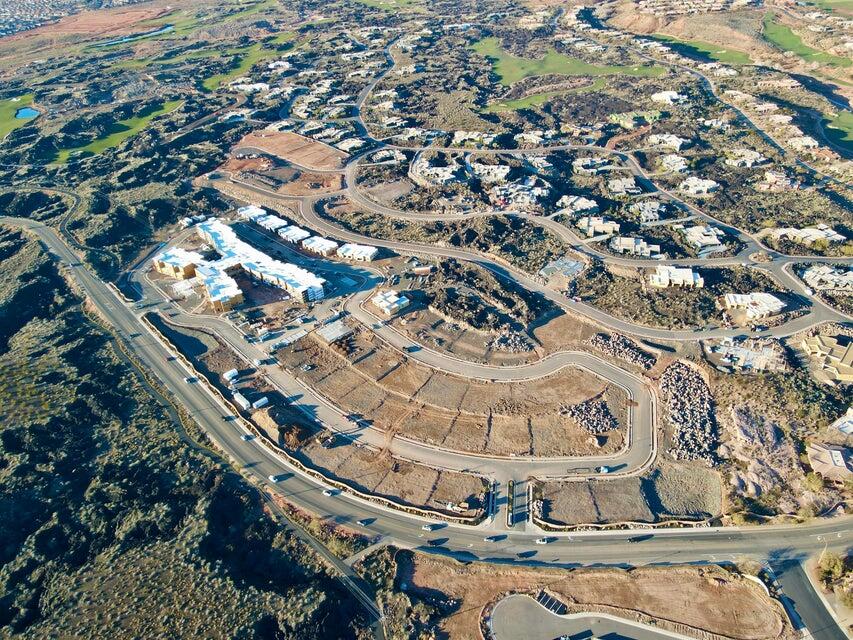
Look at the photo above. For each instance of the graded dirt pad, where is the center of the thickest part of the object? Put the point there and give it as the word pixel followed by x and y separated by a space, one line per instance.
pixel 294 148
pixel 90 23
pixel 311 183
pixel 669 491
pixel 684 599
pixel 412 484
pixel 398 395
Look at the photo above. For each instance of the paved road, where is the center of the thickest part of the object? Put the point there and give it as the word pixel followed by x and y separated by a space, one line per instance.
pixel 518 617
pixel 809 613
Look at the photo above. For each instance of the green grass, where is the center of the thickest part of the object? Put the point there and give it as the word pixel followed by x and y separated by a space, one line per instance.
pixel 840 130
pixel 118 133
pixel 705 50
pixel 784 38
pixel 538 99
pixel 248 57
pixel 845 6
pixel 510 69
pixel 8 109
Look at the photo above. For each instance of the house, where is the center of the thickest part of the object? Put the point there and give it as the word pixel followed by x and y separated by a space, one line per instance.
pixel 831 462
pixel 321 246
pixel 802 143
pixel 634 247
pixel 705 239
pixel 674 163
pixel 590 166
pixel 358 252
pixel 668 97
pixel 293 234
pixel 745 158
pixel 810 235
pixel 844 424
pixel 668 141
pixel 698 186
pixel 754 305
pixel 389 302
pixel 488 173
pixel 577 204
pixel 596 226
pixel 648 210
pixel 832 356
pixel 623 186
pixel 824 277
pixel 669 276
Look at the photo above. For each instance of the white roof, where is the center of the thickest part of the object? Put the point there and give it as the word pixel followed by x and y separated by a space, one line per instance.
pixel 318 244
pixel 293 233
pixel 178 257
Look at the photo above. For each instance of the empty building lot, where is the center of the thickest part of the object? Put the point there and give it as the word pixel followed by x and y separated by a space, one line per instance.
pixel 669 492
pixel 705 602
pixel 385 389
pixel 294 148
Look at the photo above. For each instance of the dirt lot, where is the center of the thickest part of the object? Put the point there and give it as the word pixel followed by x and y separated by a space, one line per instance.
pixel 236 165
pixel 670 491
pixel 118 21
pixel 306 183
pixel 292 147
pixel 413 484
pixel 395 394
pixel 728 604
pixel 363 469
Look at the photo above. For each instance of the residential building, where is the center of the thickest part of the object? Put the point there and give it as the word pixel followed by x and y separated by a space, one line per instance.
pixel 810 235
pixel 669 276
pixel 489 173
pixel 844 424
pixel 754 305
pixel 358 252
pixel 745 158
pixel 674 163
pixel 635 247
pixel 321 246
pixel 831 462
pixel 597 226
pixel 390 302
pixel 590 166
pixel 577 204
pixel 824 277
pixel 178 263
pixel 668 97
pixel 698 186
pixel 238 255
pixel 221 289
pixel 668 141
pixel 293 234
pixel 833 357
pixel 623 186
pixel 648 210
pixel 705 239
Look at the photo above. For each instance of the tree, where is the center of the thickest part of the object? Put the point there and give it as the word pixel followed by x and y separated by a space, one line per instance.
pixel 831 567
pixel 813 482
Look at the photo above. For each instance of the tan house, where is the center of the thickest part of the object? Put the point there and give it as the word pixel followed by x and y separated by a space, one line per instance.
pixel 830 461
pixel 834 358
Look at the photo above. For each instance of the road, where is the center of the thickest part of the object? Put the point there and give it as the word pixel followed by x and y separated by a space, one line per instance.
pixel 520 616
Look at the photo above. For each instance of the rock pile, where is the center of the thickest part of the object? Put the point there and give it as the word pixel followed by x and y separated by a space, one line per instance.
pixel 510 341
pixel 593 415
pixel 690 409
pixel 619 346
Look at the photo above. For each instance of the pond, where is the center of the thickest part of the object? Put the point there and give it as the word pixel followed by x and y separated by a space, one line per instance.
pixel 138 36
pixel 26 113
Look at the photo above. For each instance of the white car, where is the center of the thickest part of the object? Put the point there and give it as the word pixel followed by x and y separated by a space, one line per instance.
pixel 247 436
pixel 276 477
pixel 603 469
pixel 330 492
pixel 543 540
pixel 429 527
